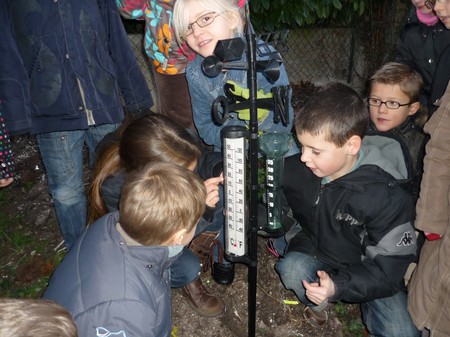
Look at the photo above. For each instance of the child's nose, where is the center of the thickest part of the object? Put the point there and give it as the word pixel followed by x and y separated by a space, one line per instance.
pixel 304 157
pixel 382 108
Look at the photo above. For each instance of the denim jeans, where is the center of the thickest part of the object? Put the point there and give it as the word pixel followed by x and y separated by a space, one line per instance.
pixel 62 154
pixel 185 269
pixel 386 317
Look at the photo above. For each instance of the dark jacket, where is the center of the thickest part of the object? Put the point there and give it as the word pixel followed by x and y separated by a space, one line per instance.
pixel 420 46
pixel 64 60
pixel 109 285
pixel 209 165
pixel 440 80
pixel 361 224
pixel 413 137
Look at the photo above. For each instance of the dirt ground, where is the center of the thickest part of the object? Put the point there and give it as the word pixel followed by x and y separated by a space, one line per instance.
pixel 28 198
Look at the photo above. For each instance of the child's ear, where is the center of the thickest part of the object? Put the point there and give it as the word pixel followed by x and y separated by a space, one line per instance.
pixel 234 18
pixel 177 238
pixel 353 145
pixel 413 108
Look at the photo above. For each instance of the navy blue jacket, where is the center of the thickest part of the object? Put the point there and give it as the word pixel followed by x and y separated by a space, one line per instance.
pixel 64 60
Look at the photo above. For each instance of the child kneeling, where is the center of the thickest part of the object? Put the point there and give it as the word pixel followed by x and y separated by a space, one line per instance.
pixel 115 278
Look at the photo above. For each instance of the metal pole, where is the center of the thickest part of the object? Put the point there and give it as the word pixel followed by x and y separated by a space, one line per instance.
pixel 253 210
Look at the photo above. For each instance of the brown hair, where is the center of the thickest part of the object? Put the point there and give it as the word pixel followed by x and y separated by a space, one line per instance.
pixel 151 138
pixel 409 81
pixel 337 111
pixel 393 73
pixel 35 318
pixel 159 200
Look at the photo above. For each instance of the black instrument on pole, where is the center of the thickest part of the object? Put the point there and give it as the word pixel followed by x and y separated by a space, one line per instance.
pixel 241 144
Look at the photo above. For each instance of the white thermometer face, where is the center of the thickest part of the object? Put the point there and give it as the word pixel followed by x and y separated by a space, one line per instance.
pixel 235 209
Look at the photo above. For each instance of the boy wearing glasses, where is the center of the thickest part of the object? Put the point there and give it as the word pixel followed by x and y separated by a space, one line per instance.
pixel 394 107
pixel 357 237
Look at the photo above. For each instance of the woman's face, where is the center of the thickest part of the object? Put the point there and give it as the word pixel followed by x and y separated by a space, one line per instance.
pixel 203 40
pixel 424 6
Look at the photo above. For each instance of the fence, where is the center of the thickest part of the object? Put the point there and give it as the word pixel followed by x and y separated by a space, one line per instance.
pixel 318 54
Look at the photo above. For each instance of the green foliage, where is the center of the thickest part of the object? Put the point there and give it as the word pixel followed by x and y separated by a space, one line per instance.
pixel 23 253
pixel 270 15
pixel 351 326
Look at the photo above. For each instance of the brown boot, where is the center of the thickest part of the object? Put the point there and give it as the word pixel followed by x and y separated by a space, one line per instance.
pixel 201 301
pixel 201 246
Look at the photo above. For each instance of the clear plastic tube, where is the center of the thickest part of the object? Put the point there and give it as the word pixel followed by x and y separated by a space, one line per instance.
pixel 274 145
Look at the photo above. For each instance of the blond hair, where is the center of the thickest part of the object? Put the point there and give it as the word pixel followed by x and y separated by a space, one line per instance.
pixel 181 14
pixel 35 318
pixel 159 200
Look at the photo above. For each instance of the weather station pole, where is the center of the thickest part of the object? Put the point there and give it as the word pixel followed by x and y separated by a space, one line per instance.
pixel 240 145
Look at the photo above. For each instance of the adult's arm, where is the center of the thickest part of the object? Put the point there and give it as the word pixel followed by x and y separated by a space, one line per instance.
pixel 14 83
pixel 130 79
pixel 432 206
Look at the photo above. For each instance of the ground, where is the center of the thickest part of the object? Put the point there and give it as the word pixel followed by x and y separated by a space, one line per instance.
pixel 30 248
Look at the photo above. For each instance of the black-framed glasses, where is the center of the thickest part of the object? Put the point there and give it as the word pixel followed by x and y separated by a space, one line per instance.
pixel 389 104
pixel 203 21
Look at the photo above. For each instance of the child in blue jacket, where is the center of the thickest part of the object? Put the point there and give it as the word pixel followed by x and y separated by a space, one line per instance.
pixel 115 280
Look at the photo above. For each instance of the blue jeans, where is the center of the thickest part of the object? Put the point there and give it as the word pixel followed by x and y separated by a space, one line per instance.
pixel 62 154
pixel 216 225
pixel 386 317
pixel 185 269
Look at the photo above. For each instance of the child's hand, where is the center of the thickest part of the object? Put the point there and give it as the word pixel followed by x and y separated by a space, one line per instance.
pixel 319 292
pixel 6 182
pixel 212 190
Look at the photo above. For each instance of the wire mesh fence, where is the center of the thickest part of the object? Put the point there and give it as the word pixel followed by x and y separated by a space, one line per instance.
pixel 316 54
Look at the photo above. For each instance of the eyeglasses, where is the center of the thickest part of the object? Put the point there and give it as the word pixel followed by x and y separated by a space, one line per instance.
pixel 430 3
pixel 202 22
pixel 389 104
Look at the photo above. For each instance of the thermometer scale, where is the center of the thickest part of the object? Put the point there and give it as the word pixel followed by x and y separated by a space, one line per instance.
pixel 234 147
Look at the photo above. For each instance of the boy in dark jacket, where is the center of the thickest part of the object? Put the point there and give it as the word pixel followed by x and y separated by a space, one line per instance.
pixel 115 279
pixel 356 238
pixel 394 107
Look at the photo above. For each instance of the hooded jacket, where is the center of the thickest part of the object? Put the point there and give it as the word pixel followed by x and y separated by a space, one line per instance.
pixel 66 65
pixel 111 286
pixel 414 139
pixel 361 224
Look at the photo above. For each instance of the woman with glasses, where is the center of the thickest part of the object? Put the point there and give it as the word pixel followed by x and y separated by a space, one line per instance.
pixel 202 23
pixel 420 44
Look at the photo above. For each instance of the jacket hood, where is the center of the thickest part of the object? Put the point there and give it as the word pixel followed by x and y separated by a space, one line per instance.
pixel 386 153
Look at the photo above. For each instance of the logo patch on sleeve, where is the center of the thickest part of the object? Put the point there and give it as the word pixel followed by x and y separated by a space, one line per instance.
pixel 102 332
pixel 406 240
